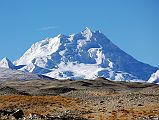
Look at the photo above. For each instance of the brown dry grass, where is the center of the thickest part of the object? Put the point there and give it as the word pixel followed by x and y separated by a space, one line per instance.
pixel 50 104
pixel 134 113
pixel 126 114
pixel 38 104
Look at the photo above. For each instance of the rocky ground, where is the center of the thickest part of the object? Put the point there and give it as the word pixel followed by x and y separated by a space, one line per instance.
pixel 98 99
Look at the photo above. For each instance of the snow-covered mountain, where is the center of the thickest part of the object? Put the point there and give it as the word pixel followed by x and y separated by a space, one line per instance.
pixel 154 77
pixel 85 55
pixel 6 63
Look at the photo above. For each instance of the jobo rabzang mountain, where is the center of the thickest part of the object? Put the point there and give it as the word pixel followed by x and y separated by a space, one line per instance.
pixel 85 55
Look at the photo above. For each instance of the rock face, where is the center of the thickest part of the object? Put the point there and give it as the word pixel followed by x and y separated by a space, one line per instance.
pixel 85 55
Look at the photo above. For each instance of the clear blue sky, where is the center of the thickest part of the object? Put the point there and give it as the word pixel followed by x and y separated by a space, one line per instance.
pixel 133 25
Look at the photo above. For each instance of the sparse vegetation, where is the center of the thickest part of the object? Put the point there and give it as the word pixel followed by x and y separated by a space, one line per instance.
pixel 98 100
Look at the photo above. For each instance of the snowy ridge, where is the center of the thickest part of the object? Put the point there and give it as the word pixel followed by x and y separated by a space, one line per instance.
pixel 40 50
pixel 154 77
pixel 85 55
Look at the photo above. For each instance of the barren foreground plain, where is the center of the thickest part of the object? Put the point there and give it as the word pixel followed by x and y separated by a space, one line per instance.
pixel 98 99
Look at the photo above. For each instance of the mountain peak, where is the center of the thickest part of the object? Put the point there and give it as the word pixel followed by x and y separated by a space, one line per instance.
pixel 61 36
pixel 84 55
pixel 87 30
pixel 5 59
pixel 87 33
pixel 6 63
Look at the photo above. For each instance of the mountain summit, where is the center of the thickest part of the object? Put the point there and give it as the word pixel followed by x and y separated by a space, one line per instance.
pixel 85 55
pixel 6 63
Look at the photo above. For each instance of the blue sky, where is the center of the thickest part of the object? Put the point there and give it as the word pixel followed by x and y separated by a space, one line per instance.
pixel 133 25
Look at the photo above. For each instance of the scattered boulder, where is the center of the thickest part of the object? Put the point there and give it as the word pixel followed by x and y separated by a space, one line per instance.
pixel 18 114
pixel 35 116
pixel 6 112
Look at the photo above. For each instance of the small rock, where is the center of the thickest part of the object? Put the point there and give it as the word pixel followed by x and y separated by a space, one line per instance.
pixel 139 105
pixel 101 101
